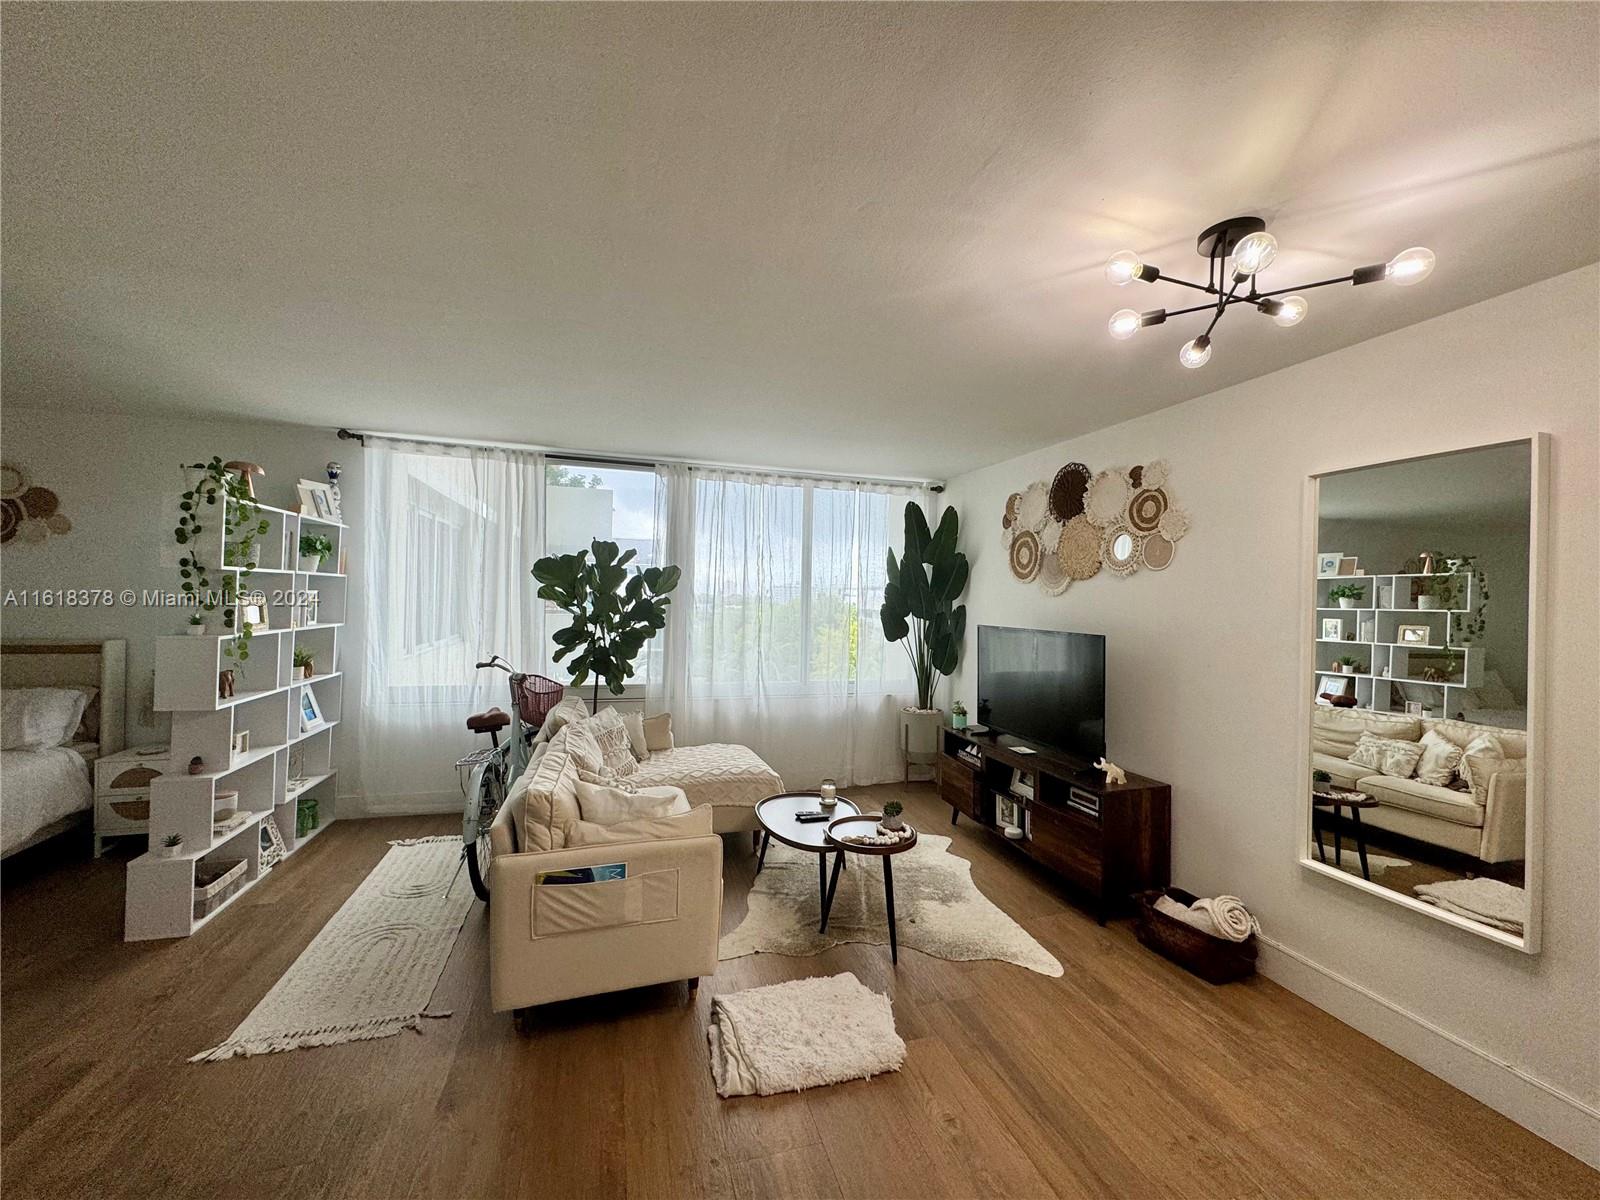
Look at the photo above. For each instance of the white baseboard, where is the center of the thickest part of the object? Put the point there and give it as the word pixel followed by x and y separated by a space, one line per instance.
pixel 1561 1119
pixel 357 807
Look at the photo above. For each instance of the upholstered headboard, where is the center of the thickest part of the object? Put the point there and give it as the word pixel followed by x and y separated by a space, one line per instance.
pixel 83 664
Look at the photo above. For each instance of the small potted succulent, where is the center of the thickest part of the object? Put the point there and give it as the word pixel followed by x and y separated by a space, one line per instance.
pixel 1347 595
pixel 958 715
pixel 171 846
pixel 304 665
pixel 315 549
pixel 1433 594
pixel 1321 777
pixel 891 815
pixel 1348 664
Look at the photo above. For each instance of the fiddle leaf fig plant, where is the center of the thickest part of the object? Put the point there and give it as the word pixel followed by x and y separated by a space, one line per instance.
pixel 614 613
pixel 919 600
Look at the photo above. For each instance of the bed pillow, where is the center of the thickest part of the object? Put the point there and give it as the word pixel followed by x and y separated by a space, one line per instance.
pixel 1387 756
pixel 38 718
pixel 602 805
pixel 1440 757
pixel 658 732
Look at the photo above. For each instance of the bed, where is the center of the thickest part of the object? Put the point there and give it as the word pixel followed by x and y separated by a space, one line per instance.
pixel 45 790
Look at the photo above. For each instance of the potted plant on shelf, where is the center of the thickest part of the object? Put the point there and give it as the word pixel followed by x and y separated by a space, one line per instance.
pixel 891 816
pixel 304 665
pixel 171 846
pixel 315 549
pixel 1434 594
pixel 920 611
pixel 1347 595
pixel 613 613
pixel 1348 664
pixel 213 484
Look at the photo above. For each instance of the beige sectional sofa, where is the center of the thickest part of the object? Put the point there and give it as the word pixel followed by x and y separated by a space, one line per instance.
pixel 660 921
pixel 1487 822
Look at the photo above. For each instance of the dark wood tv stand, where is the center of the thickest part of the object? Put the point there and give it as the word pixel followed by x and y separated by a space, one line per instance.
pixel 1108 840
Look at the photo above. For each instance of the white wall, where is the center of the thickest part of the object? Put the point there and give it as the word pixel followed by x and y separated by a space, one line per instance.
pixel 117 477
pixel 1205 688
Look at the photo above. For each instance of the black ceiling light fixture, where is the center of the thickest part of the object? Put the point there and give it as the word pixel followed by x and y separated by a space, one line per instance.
pixel 1246 241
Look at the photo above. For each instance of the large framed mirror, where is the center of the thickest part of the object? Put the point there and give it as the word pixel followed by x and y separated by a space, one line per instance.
pixel 1421 662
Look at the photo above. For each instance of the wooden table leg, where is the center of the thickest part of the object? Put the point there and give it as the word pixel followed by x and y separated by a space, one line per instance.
pixel 833 887
pixel 761 857
pixel 1361 843
pixel 888 899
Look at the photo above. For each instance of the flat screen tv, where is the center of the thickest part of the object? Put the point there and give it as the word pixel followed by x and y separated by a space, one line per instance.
pixel 1044 687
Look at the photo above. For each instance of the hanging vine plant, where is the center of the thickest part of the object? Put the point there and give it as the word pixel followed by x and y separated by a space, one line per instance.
pixel 242 524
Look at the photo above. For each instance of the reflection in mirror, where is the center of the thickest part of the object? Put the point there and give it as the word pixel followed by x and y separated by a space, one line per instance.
pixel 1419 744
pixel 1122 549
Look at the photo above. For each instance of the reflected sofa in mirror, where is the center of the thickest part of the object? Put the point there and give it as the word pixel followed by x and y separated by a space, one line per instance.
pixel 1423 783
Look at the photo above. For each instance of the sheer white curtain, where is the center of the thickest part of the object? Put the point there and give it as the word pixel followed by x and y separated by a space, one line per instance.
pixel 773 638
pixel 451 537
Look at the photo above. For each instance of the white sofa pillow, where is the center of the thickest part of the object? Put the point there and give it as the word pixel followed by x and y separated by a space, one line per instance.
pixel 37 718
pixel 602 805
pixel 616 751
pixel 1440 757
pixel 1387 756
pixel 1484 745
pixel 658 732
pixel 634 724
pixel 583 746
pixel 1484 767
pixel 694 823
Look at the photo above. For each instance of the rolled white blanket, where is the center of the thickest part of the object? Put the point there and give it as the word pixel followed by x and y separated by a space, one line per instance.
pixel 1225 917
pixel 1230 917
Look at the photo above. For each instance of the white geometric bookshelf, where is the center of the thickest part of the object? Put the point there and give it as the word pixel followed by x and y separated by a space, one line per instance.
pixel 266 704
pixel 1370 633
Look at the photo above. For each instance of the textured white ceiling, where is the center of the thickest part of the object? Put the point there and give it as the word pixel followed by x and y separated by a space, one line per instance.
pixel 860 237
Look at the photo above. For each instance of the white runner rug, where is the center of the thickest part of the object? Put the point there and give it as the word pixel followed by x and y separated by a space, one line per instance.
pixel 801 1034
pixel 372 969
pixel 940 910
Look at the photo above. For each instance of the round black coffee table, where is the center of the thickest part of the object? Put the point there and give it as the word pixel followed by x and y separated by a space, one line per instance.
pixel 838 832
pixel 1326 796
pixel 776 816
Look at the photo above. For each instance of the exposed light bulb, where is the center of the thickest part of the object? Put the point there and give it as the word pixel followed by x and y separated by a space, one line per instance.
pixel 1124 267
pixel 1410 266
pixel 1125 323
pixel 1291 311
pixel 1196 353
pixel 1253 254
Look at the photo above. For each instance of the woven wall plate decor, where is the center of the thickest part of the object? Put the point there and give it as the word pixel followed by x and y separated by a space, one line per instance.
pixel 1025 555
pixel 28 513
pixel 1082 521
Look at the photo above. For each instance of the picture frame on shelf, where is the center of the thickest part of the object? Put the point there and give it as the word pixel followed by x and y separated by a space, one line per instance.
pixel 310 712
pixel 241 744
pixel 316 500
pixel 1413 635
pixel 1348 564
pixel 1332 629
pixel 254 615
pixel 272 847
pixel 1328 563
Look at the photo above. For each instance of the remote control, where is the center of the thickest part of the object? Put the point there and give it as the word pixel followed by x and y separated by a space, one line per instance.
pixel 810 818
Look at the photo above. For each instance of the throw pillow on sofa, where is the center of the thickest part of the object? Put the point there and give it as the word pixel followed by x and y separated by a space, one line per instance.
pixel 1440 757
pixel 634 723
pixel 616 751
pixel 1484 767
pixel 1483 744
pixel 602 805
pixel 1387 756
pixel 583 746
pixel 694 823
pixel 658 732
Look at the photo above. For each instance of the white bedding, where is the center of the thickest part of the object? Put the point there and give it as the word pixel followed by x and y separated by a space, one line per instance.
pixel 38 787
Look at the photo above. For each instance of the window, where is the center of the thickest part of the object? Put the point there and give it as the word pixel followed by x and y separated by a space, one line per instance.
pixel 585 502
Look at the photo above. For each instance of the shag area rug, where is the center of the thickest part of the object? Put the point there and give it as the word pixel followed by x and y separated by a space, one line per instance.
pixel 372 969
pixel 940 910
pixel 801 1034
pixel 1488 900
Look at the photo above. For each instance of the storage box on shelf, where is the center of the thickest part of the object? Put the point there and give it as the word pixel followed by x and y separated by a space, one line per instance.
pixel 169 895
pixel 1371 633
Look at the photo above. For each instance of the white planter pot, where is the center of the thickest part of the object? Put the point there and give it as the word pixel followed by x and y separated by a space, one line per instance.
pixel 164 851
pixel 195 630
pixel 920 733
pixel 1428 603
pixel 1347 601
pixel 310 562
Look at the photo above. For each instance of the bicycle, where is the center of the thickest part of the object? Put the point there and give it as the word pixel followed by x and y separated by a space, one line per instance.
pixel 491 768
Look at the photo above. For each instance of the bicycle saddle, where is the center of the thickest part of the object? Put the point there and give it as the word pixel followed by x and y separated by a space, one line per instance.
pixel 485 722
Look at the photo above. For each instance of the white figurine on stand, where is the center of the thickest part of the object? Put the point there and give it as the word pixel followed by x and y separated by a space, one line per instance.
pixel 1114 773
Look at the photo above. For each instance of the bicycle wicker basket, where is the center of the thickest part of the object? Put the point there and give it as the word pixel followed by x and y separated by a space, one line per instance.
pixel 536 696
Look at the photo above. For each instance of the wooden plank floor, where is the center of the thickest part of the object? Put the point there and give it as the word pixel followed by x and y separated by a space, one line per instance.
pixel 1124 1078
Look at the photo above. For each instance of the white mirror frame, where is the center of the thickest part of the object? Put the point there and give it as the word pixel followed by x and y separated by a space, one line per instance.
pixel 1538 524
